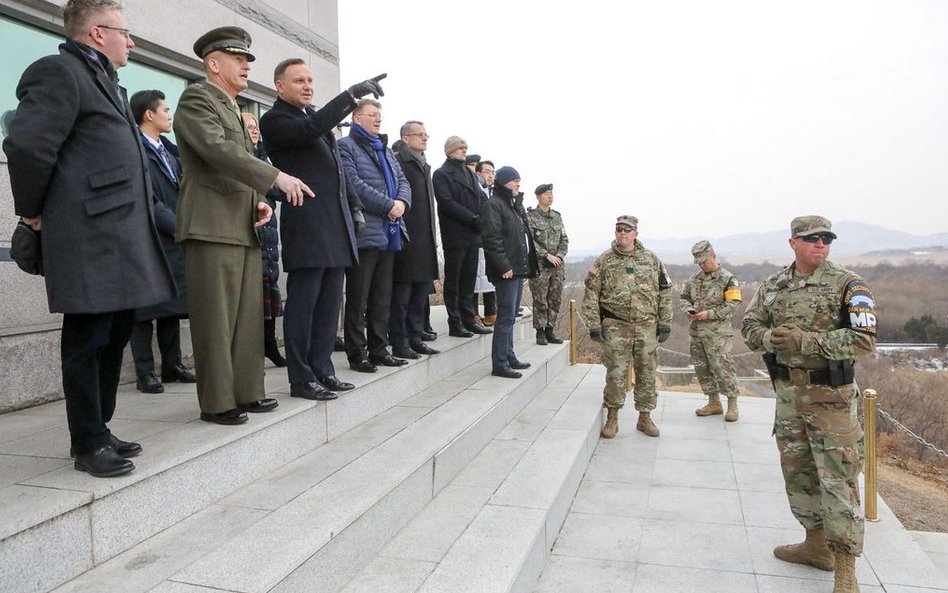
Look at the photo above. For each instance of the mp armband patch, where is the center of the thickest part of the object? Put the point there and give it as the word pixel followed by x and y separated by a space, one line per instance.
pixel 861 307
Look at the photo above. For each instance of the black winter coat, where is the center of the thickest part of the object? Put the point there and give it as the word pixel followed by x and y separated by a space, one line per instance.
pixel 507 237
pixel 460 199
pixel 320 233
pixel 166 206
pixel 418 259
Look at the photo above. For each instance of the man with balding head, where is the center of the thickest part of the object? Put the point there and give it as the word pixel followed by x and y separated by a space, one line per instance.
pixel 77 170
pixel 221 204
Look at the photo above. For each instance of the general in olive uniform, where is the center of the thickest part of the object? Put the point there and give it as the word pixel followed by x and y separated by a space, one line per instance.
pixel 813 319
pixel 551 243
pixel 627 307
pixel 709 300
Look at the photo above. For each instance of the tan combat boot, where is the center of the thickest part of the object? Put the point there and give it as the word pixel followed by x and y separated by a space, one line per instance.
pixel 646 425
pixel 711 408
pixel 612 424
pixel 812 551
pixel 732 413
pixel 845 576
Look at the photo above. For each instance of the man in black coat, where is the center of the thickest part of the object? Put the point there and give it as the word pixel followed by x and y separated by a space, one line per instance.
pixel 459 197
pixel 77 169
pixel 153 115
pixel 319 237
pixel 416 265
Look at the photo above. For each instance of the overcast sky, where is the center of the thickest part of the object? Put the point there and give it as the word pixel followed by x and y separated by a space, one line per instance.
pixel 701 118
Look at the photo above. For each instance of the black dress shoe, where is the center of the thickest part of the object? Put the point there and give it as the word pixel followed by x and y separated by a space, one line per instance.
pixel 387 361
pixel 339 345
pixel 459 332
pixel 422 348
pixel 506 373
pixel 431 332
pixel 149 384
pixel 311 390
pixel 180 374
pixel 517 364
pixel 477 328
pixel 234 416
pixel 124 448
pixel 104 462
pixel 267 404
pixel 405 352
pixel 362 366
pixel 332 383
pixel 275 357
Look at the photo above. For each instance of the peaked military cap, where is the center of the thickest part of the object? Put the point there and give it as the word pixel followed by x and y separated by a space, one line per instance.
pixel 233 40
pixel 701 250
pixel 628 220
pixel 472 159
pixel 801 226
pixel 543 188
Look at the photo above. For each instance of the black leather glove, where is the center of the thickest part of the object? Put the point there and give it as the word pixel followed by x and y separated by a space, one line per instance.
pixel 476 221
pixel 368 87
pixel 663 331
pixel 596 336
pixel 358 221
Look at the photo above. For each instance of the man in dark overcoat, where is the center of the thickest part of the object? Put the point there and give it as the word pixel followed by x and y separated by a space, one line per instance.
pixel 416 265
pixel 221 203
pixel 78 174
pixel 319 237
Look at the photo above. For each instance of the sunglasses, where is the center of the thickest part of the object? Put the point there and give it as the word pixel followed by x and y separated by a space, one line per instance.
pixel 624 229
pixel 814 238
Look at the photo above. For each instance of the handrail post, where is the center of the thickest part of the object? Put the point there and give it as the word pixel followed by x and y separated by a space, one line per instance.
pixel 572 332
pixel 872 478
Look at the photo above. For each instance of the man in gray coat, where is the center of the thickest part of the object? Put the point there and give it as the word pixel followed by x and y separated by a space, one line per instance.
pixel 78 174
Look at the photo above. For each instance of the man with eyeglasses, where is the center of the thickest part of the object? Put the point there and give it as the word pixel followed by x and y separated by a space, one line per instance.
pixel 812 319
pixel 77 170
pixel 627 308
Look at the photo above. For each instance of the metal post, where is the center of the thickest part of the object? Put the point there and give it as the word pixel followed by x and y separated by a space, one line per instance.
pixel 872 479
pixel 572 332
pixel 629 378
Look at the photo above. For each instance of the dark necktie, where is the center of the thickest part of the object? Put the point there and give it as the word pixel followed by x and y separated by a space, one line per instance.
pixel 163 153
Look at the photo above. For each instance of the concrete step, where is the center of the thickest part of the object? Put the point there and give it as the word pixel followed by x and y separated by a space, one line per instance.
pixel 490 529
pixel 328 511
pixel 57 523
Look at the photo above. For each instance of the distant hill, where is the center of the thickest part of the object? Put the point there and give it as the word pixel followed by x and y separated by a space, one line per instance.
pixel 856 238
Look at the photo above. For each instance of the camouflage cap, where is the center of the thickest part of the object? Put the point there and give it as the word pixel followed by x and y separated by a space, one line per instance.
pixel 628 219
pixel 233 40
pixel 802 226
pixel 701 250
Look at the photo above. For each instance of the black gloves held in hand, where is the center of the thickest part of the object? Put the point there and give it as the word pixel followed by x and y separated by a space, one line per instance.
pixel 596 336
pixel 368 87
pixel 663 331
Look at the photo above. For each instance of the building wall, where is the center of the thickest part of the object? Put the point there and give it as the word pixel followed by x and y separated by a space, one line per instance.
pixel 164 33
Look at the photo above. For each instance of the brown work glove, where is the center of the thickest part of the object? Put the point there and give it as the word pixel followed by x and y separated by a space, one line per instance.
pixel 787 339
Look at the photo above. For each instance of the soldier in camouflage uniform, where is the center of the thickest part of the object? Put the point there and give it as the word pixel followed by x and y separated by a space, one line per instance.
pixel 709 300
pixel 813 318
pixel 627 308
pixel 551 242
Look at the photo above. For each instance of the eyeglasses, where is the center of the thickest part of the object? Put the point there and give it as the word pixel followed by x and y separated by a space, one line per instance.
pixel 487 171
pixel 423 135
pixel 624 229
pixel 123 32
pixel 369 115
pixel 827 239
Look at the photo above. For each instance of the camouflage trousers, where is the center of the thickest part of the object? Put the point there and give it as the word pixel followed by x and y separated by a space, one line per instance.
pixel 714 365
pixel 547 291
pixel 626 343
pixel 820 442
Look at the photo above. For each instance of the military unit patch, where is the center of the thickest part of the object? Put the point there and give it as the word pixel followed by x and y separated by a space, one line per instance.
pixel 860 306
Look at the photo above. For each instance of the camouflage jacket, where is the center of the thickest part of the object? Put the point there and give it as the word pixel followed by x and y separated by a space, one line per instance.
pixel 719 294
pixel 549 235
pixel 629 286
pixel 832 303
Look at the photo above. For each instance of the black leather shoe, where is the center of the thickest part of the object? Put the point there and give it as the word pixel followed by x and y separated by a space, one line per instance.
pixel 104 462
pixel 229 417
pixel 551 337
pixel 477 328
pixel 405 352
pixel 506 373
pixel 124 448
pixel 387 361
pixel 422 348
pixel 339 345
pixel 149 384
pixel 332 383
pixel 275 357
pixel 431 332
pixel 180 374
pixel 311 390
pixel 362 366
pixel 518 364
pixel 267 404
pixel 459 332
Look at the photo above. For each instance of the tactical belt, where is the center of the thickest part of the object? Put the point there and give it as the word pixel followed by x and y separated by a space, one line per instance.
pixel 839 374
